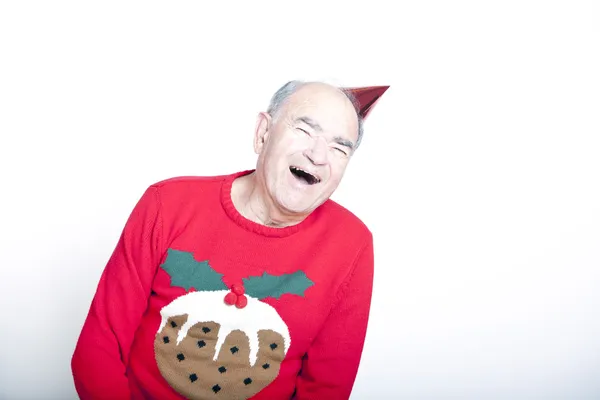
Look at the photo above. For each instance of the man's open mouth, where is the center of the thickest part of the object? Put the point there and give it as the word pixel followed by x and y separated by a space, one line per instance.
pixel 305 176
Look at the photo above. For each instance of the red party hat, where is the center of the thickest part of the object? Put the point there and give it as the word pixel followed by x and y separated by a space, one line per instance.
pixel 367 97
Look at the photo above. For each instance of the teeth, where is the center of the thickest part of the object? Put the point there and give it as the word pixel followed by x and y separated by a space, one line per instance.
pixel 315 179
pixel 298 169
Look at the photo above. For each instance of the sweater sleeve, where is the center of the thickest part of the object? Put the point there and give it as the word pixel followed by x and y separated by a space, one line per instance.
pixel 102 350
pixel 330 366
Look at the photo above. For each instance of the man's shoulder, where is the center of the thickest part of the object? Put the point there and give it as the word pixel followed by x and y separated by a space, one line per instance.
pixel 192 183
pixel 188 191
pixel 346 220
pixel 186 181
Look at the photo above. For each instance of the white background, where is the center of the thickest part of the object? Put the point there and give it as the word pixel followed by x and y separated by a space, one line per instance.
pixel 479 173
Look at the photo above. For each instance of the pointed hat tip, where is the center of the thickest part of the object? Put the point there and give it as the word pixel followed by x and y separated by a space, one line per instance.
pixel 367 97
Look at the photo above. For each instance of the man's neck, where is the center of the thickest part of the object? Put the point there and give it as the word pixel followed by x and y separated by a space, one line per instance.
pixel 251 200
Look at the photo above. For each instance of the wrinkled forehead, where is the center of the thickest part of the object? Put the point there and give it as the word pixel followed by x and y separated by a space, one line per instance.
pixel 327 106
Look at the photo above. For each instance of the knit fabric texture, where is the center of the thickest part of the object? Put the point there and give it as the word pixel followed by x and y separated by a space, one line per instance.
pixel 198 302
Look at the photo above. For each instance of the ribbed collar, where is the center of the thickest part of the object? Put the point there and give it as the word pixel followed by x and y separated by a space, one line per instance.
pixel 252 226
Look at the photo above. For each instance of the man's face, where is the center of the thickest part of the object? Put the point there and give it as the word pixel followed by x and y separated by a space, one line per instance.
pixel 305 148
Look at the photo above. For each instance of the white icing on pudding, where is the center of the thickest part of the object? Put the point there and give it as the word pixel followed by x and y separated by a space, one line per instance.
pixel 202 307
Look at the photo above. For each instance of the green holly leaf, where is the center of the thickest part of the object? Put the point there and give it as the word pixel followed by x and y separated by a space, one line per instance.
pixel 275 286
pixel 188 273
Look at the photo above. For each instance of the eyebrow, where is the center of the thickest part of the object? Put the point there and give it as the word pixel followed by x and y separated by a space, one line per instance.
pixel 315 125
pixel 344 142
pixel 310 122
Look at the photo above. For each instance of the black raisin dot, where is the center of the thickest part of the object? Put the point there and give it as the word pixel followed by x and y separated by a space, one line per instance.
pixel 193 377
pixel 216 388
pixel 273 346
pixel 166 339
pixel 173 324
pixel 222 369
pixel 205 329
pixel 180 357
pixel 201 343
pixel 234 350
pixel 266 366
pixel 247 381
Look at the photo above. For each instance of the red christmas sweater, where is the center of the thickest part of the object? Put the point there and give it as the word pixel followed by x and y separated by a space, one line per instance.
pixel 199 302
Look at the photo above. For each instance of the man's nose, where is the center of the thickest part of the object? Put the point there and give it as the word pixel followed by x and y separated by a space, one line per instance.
pixel 317 152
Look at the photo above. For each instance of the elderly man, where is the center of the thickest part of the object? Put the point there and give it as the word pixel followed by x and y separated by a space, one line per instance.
pixel 249 285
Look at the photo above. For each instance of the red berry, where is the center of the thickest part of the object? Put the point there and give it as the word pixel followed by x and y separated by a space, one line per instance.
pixel 230 298
pixel 241 302
pixel 238 289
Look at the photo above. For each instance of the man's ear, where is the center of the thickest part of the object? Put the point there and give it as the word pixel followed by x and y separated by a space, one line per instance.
pixel 261 133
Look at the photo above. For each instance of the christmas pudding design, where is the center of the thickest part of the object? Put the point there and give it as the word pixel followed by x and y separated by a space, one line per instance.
pixel 216 342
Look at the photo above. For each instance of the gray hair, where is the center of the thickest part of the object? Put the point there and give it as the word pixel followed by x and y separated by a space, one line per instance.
pixel 282 94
